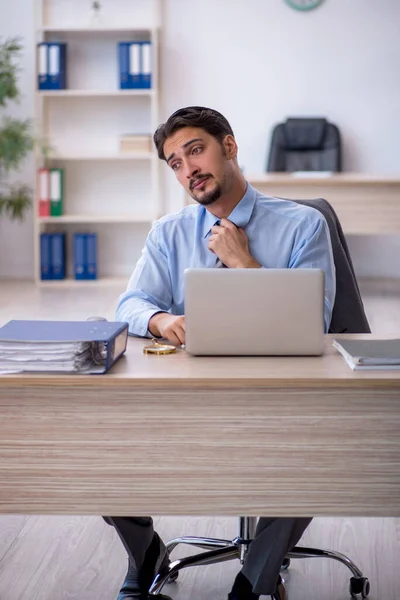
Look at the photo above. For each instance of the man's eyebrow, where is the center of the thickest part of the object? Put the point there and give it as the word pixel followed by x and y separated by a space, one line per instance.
pixel 185 145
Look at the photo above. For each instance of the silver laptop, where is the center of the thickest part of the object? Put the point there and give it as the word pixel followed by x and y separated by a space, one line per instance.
pixel 254 311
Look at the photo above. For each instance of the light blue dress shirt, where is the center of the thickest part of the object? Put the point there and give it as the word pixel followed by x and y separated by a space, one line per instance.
pixel 281 234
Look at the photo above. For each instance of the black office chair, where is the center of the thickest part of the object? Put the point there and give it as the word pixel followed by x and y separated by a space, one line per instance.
pixel 348 316
pixel 305 144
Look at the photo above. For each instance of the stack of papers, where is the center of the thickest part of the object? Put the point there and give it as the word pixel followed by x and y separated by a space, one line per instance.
pixel 370 354
pixel 16 357
pixel 135 143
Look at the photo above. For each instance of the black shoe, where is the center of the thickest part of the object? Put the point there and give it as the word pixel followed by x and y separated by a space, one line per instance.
pixel 138 581
pixel 242 589
pixel 280 591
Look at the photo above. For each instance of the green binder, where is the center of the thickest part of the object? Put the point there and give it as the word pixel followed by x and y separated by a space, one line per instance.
pixel 56 192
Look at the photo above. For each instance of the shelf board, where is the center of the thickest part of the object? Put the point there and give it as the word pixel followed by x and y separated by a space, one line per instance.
pixel 97 219
pixel 70 282
pixel 123 29
pixel 344 178
pixel 116 156
pixel 91 93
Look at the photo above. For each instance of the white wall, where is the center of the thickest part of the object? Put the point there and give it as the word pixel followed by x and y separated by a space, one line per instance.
pixel 16 240
pixel 258 61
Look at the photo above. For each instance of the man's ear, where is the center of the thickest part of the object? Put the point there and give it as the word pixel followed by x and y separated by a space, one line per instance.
pixel 230 146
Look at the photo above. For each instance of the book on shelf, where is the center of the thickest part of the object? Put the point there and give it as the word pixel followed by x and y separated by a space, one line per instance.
pixel 52 67
pixel 370 354
pixel 135 143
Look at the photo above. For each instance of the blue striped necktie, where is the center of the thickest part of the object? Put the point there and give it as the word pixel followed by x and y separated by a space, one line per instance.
pixel 219 264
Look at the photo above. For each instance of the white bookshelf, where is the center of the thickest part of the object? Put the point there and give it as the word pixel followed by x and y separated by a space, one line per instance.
pixel 112 193
pixel 106 156
pixel 128 218
pixel 94 29
pixel 115 282
pixel 93 93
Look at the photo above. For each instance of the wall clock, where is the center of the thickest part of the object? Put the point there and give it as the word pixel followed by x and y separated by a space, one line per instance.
pixel 304 4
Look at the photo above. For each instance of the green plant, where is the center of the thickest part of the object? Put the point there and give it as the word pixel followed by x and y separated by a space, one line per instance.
pixel 16 138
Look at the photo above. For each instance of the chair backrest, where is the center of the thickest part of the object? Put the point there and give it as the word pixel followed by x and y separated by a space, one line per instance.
pixel 310 144
pixel 348 315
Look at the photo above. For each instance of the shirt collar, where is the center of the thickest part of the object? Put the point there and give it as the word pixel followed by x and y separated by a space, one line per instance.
pixel 240 215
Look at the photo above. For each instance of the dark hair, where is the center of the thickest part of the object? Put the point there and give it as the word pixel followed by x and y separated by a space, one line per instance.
pixel 192 116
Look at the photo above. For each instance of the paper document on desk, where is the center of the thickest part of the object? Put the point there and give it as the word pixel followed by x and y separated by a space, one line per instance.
pixel 61 346
pixel 370 354
pixel 15 358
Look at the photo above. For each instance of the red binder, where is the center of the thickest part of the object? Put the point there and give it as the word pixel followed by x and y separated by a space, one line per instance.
pixel 44 192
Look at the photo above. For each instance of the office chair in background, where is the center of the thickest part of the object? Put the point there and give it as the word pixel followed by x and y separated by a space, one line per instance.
pixel 348 316
pixel 305 144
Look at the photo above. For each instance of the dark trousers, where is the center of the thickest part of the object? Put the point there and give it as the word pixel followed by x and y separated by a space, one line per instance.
pixel 274 538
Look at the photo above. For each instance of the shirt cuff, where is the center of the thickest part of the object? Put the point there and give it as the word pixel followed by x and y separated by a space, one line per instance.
pixel 143 322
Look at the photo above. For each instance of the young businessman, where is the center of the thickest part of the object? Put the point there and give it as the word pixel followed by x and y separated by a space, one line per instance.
pixel 235 225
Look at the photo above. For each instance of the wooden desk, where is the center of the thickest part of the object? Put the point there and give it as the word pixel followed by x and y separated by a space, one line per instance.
pixel 176 435
pixel 365 204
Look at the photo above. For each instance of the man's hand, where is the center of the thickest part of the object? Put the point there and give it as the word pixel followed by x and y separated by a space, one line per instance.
pixel 168 326
pixel 231 245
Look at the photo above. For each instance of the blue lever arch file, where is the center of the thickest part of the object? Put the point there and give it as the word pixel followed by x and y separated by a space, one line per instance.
pixel 91 256
pixel 135 65
pixel 123 58
pixel 52 66
pixel 43 66
pixel 87 347
pixel 57 255
pixel 80 256
pixel 146 68
pixel 45 256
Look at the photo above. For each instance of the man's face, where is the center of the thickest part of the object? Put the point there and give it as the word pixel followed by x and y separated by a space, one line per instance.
pixel 199 162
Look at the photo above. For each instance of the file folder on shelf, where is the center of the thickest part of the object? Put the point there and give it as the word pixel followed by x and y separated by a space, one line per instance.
pixel 86 347
pixel 45 256
pixel 42 66
pixel 134 75
pixel 146 65
pixel 79 255
pixel 123 57
pixel 56 192
pixel 52 58
pixel 135 65
pixel 43 192
pixel 91 256
pixel 57 270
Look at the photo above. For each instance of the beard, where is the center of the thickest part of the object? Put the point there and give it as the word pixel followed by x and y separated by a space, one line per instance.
pixel 208 198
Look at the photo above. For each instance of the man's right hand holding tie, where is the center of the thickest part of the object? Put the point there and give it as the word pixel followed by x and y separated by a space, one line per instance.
pixel 231 245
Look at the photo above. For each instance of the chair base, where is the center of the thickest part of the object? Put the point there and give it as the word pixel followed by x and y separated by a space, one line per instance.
pixel 219 550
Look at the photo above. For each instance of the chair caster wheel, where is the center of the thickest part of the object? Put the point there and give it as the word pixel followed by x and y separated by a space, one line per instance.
pixel 285 564
pixel 359 586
